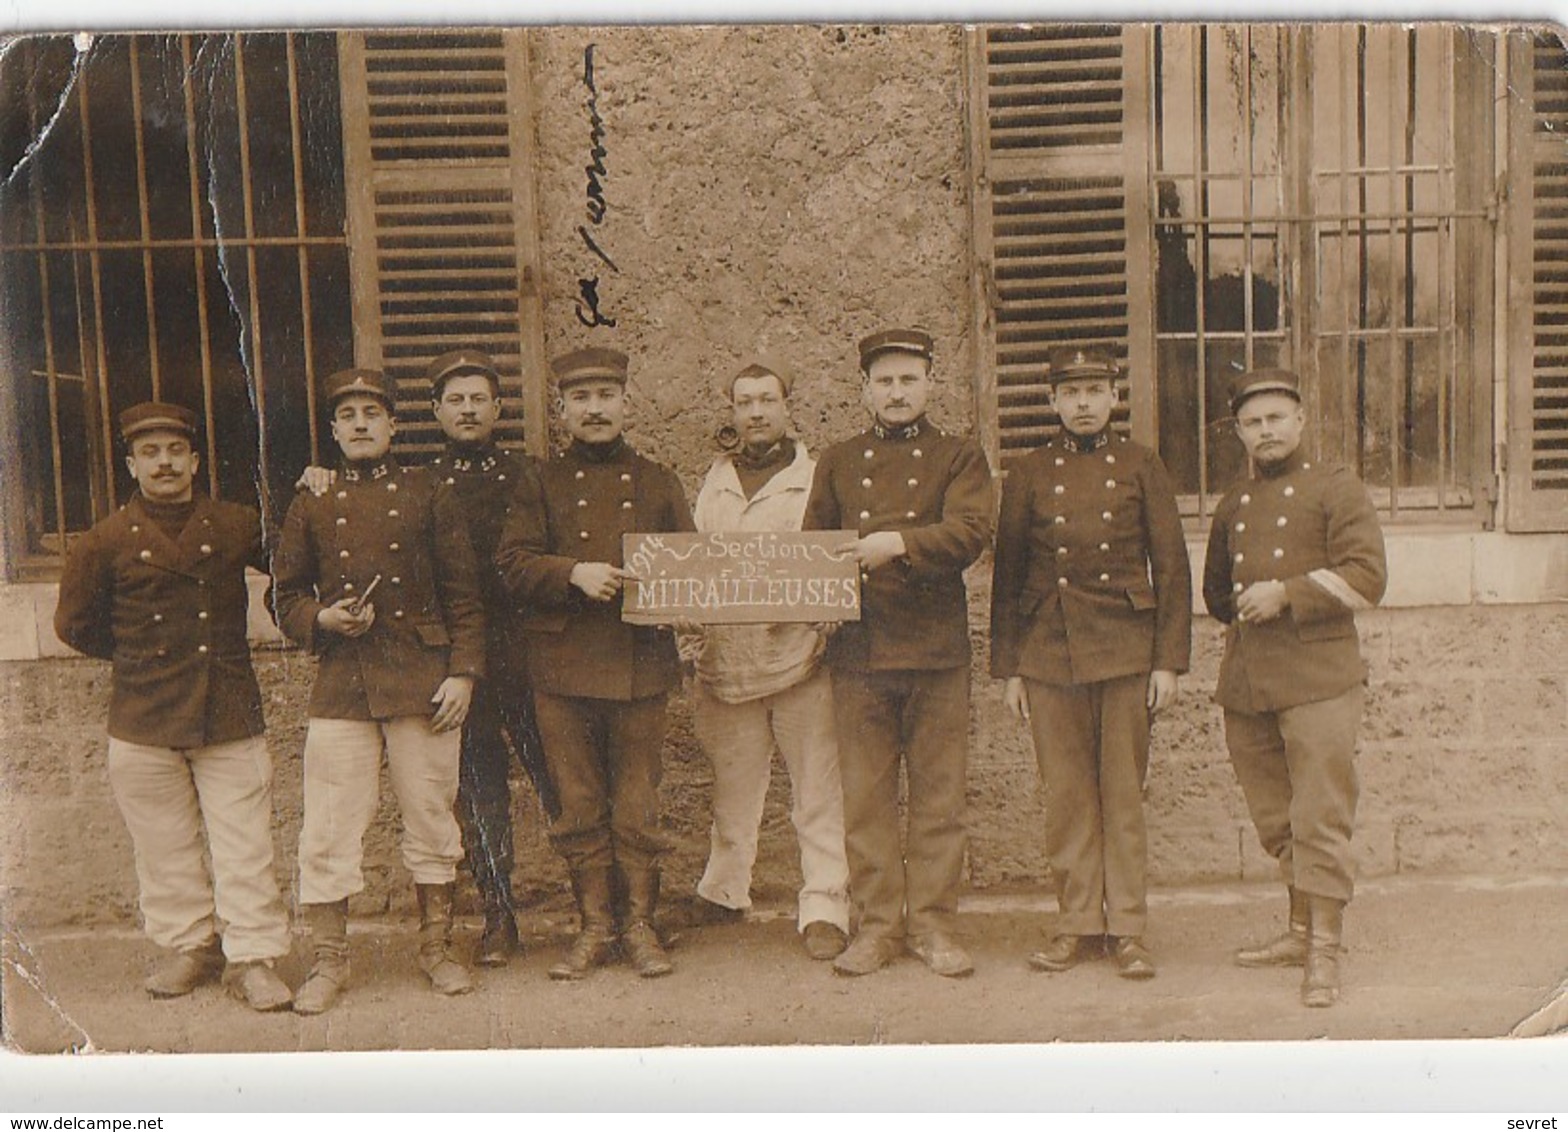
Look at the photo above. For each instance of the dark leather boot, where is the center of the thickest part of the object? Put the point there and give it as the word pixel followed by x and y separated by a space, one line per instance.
pixel 487 844
pixel 327 927
pixel 639 939
pixel 595 942
pixel 1288 950
pixel 437 960
pixel 498 942
pixel 1320 982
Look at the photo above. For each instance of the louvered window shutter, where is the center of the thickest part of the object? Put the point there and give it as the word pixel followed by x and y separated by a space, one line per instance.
pixel 443 235
pixel 1062 225
pixel 1538 286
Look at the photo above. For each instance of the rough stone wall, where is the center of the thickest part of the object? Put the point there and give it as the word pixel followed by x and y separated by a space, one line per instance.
pixel 1463 764
pixel 782 189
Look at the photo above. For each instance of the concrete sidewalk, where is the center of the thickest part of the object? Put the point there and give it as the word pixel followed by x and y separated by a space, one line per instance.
pixel 1429 957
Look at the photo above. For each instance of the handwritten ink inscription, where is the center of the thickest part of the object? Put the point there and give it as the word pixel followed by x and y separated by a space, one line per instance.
pixel 590 309
pixel 740 577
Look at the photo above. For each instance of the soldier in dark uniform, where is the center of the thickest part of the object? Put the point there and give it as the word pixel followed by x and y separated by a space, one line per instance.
pixel 1295 550
pixel 1091 622
pixel 600 685
pixel 922 504
pixel 396 675
pixel 158 588
pixel 465 392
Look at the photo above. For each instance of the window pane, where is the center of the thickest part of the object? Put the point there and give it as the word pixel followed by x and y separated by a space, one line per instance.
pixel 1422 442
pixel 179 329
pixel 234 414
pixel 57 167
pixel 34 76
pixel 136 307
pixel 268 134
pixel 1355 277
pixel 332 315
pixel 1268 94
pixel 282 350
pixel 1431 84
pixel 165 138
pixel 124 317
pixel 107 87
pixel 1175 101
pixel 1375 393
pixel 1224 100
pixel 321 132
pixel 1175 278
pixel 219 129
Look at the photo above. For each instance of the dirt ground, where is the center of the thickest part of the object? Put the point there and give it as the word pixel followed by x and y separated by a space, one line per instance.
pixel 1428 958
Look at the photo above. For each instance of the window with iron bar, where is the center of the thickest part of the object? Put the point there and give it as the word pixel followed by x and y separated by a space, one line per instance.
pixel 174 229
pixel 1271 196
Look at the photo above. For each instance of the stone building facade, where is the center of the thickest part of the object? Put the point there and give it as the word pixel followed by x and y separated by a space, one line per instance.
pixel 786 189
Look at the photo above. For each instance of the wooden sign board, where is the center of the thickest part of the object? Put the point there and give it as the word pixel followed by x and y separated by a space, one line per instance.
pixel 740 577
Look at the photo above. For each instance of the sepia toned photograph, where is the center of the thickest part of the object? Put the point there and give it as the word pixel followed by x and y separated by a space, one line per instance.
pixel 783 535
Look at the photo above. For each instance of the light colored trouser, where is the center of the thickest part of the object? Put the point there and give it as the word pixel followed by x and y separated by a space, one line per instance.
pixel 1092 743
pixel 739 739
pixel 166 796
pixel 1297 768
pixel 343 787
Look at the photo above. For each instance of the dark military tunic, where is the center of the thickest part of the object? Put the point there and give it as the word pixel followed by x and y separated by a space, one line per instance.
pixel 936 490
pixel 1313 528
pixel 171 616
pixel 406 526
pixel 901 674
pixel 484 483
pixel 502 708
pixel 574 509
pixel 1092 579
pixel 1092 591
pixel 1292 688
pixel 600 685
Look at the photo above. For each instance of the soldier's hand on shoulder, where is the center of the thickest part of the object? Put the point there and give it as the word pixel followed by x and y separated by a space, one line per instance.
pixel 599 581
pixel 341 618
pixel 317 481
pixel 1164 688
pixel 452 700
pixel 1016 697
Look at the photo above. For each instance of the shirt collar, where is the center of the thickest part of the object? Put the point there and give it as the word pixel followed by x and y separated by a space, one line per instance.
pixel 469 459
pixel 1292 463
pixel 355 471
pixel 600 453
pixel 1075 443
pixel 898 432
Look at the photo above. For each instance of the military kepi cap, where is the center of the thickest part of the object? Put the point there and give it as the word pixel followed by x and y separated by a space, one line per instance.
pixel 1079 362
pixel 595 363
pixel 371 382
pixel 460 363
pixel 903 341
pixel 152 416
pixel 1263 381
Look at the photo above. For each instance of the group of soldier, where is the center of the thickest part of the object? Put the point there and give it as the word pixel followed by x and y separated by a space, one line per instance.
pixel 468 612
